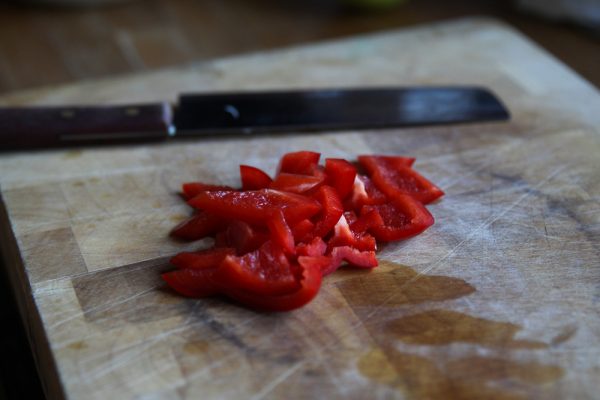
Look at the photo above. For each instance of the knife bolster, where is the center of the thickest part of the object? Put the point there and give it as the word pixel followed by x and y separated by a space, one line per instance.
pixel 39 127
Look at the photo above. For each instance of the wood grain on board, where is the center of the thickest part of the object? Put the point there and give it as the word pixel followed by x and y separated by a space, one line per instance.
pixel 499 299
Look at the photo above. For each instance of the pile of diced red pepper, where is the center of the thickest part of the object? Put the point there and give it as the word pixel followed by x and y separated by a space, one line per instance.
pixel 275 238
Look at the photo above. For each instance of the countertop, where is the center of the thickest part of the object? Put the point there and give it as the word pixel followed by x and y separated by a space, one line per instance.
pixel 497 299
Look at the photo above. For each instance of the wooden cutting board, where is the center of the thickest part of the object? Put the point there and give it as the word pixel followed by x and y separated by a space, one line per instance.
pixel 498 300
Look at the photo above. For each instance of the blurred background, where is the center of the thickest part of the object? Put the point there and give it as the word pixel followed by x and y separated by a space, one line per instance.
pixel 47 42
pixel 53 42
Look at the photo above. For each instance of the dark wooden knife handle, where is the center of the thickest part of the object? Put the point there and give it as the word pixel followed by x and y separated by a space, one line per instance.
pixel 41 127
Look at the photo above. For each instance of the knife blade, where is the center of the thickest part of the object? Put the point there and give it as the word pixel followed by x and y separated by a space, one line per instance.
pixel 247 113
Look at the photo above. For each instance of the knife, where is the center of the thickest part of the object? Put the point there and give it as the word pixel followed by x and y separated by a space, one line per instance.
pixel 246 113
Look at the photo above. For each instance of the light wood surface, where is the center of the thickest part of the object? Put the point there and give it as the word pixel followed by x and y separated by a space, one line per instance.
pixel 498 300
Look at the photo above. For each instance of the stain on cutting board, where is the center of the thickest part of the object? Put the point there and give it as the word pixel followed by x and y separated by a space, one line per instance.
pixel 440 376
pixel 473 377
pixel 440 327
pixel 401 285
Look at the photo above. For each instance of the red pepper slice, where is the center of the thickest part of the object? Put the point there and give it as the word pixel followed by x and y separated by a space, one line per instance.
pixel 210 258
pixel 372 161
pixel 355 257
pixel 281 234
pixel 296 183
pixel 369 218
pixel 319 172
pixel 254 178
pixel 345 236
pixel 256 206
pixel 310 283
pixel 299 162
pixel 243 237
pixel 331 210
pixel 192 189
pixel 340 174
pixel 198 226
pixel 364 193
pixel 350 216
pixel 393 177
pixel 195 277
pixel 403 217
pixel 329 265
pixel 323 262
pixel 315 248
pixel 265 271
pixel 192 282
pixel 302 230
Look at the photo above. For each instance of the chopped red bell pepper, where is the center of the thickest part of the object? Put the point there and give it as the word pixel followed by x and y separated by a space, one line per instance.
pixel 192 282
pixel 403 217
pixel 394 176
pixel 254 178
pixel 315 248
pixel 302 230
pixel 243 237
pixel 264 271
pixel 355 257
pixel 210 258
pixel 276 239
pixel 198 226
pixel 256 206
pixel 344 235
pixel 369 218
pixel 340 174
pixel 281 234
pixel 350 216
pixel 390 162
pixel 331 210
pixel 310 283
pixel 319 172
pixel 192 189
pixel 300 162
pixel 364 193
pixel 296 183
